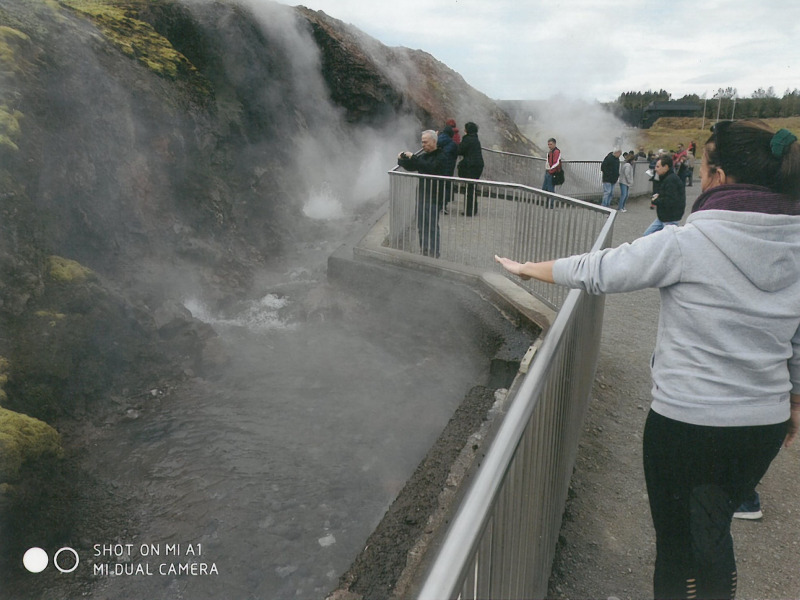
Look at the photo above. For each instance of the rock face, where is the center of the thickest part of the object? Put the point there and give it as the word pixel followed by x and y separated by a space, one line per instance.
pixel 149 149
pixel 169 146
pixel 373 82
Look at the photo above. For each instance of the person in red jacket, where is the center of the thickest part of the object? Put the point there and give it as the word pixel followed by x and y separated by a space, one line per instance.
pixel 553 166
pixel 456 134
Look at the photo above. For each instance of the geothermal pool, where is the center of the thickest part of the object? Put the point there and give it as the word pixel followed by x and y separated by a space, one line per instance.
pixel 275 474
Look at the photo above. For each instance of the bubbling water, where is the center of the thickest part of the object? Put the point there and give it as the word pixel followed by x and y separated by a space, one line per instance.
pixel 260 315
pixel 323 205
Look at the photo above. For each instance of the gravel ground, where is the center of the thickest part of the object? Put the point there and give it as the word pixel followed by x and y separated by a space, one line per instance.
pixel 607 544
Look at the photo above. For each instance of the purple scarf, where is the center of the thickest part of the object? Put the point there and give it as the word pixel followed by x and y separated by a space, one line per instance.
pixel 744 197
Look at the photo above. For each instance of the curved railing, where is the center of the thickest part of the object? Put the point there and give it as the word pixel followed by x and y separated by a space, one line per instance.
pixel 502 539
pixel 511 220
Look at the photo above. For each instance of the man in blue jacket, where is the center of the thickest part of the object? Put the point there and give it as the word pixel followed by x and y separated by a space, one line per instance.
pixel 670 196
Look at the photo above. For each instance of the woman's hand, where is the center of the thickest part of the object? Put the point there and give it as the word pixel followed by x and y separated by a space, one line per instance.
pixel 543 271
pixel 511 266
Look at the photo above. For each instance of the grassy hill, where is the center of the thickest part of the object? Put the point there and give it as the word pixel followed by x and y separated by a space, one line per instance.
pixel 668 132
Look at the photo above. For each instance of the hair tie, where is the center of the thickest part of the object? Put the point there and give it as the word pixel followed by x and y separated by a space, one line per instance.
pixel 781 141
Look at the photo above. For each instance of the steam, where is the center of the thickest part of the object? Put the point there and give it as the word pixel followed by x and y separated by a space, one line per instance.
pixel 339 166
pixel 584 130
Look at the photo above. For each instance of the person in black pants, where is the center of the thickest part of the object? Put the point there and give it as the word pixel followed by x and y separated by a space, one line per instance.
pixel 726 365
pixel 471 166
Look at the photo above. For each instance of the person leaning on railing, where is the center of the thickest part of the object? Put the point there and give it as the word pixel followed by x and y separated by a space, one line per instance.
pixel 726 367
pixel 430 197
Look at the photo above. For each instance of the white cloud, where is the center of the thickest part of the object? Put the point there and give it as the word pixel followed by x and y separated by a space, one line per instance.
pixel 593 50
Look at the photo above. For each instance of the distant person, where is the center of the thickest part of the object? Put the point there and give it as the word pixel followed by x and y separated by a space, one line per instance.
pixel 625 179
pixel 430 195
pixel 689 167
pixel 679 153
pixel 652 159
pixel 726 366
pixel 471 165
pixel 450 151
pixel 679 163
pixel 670 196
pixel 610 171
pixel 456 135
pixel 552 166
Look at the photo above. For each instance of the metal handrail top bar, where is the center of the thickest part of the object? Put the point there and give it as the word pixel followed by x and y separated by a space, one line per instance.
pixel 518 186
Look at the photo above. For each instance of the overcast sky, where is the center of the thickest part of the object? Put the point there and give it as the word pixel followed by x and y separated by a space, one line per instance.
pixel 593 49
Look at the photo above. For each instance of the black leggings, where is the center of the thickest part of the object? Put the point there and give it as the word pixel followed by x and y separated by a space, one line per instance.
pixel 696 478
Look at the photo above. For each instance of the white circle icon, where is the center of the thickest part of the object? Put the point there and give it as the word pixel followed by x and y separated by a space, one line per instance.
pixel 35 560
pixel 58 565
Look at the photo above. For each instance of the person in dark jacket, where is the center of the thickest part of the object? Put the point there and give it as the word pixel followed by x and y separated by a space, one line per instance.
pixel 431 192
pixel 471 166
pixel 450 150
pixel 670 196
pixel 610 170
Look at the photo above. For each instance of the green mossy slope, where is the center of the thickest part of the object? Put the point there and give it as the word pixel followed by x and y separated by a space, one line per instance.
pixel 24 439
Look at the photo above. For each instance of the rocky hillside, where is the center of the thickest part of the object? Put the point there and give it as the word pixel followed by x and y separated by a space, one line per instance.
pixel 149 148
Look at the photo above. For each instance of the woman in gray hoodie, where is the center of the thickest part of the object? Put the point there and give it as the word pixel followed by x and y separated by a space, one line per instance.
pixel 726 367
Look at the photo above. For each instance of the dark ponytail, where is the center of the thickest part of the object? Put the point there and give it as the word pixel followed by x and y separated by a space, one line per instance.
pixel 750 152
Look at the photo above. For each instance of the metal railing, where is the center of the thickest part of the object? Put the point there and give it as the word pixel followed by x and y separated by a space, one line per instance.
pixel 582 177
pixel 502 540
pixel 510 220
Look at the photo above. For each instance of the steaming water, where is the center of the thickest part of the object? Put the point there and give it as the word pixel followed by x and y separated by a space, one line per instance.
pixel 324 205
pixel 282 468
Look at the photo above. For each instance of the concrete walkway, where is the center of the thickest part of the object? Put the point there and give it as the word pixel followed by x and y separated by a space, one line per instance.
pixel 607 542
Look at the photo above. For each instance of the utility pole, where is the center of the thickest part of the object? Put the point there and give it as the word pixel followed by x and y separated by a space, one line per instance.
pixel 719 104
pixel 705 101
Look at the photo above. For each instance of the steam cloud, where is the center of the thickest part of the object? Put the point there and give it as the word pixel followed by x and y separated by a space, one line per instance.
pixel 585 131
pixel 340 166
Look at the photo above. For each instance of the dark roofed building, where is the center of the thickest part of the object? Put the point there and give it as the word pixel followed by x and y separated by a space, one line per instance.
pixel 676 108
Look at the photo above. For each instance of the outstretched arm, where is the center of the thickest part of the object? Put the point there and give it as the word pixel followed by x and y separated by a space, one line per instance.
pixel 543 271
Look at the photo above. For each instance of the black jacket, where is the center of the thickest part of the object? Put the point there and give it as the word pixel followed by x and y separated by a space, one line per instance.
pixel 429 163
pixel 471 166
pixel 610 168
pixel 671 201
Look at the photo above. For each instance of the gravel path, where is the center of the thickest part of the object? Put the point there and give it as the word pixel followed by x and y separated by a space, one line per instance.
pixel 607 544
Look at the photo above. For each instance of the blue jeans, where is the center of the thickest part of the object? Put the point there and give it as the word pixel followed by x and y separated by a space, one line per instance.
pixel 548 185
pixel 608 191
pixel 658 226
pixel 623 195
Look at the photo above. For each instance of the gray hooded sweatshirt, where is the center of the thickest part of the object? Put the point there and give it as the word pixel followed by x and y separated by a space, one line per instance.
pixel 728 346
